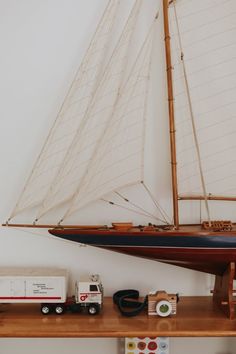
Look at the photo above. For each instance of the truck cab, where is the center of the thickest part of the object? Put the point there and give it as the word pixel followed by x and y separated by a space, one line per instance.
pixel 88 296
pixel 89 293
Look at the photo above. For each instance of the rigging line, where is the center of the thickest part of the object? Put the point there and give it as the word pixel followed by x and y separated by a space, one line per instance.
pixel 137 206
pixel 192 120
pixel 158 206
pixel 130 209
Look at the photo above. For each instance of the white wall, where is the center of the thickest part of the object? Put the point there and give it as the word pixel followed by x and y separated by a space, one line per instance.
pixel 41 45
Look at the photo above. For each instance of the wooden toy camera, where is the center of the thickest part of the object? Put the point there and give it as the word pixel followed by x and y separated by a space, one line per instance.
pixel 162 304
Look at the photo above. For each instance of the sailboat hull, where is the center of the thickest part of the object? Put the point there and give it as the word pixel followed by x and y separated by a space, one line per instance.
pixel 209 252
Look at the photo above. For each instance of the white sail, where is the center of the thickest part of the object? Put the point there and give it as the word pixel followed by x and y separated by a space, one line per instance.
pixel 77 165
pixel 70 115
pixel 118 158
pixel 98 137
pixel 207 30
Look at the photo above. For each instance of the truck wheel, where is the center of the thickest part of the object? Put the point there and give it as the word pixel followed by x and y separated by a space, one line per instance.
pixel 59 309
pixel 93 309
pixel 46 309
pixel 163 308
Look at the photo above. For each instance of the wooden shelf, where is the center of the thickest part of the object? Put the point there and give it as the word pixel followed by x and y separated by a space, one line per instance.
pixel 196 317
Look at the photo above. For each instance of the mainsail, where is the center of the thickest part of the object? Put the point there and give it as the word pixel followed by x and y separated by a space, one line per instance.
pixel 207 35
pixel 203 52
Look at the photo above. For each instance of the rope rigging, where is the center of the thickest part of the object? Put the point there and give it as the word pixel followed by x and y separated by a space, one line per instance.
pixel 139 209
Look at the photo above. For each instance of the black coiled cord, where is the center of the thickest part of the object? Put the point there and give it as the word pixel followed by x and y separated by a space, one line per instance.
pixel 126 299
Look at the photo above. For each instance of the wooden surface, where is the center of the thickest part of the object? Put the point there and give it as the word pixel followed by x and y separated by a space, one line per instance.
pixel 196 317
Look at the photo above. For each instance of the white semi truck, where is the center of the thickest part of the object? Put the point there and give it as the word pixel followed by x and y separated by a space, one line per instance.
pixel 49 287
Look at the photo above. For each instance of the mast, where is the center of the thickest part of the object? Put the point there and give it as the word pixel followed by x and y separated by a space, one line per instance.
pixel 171 114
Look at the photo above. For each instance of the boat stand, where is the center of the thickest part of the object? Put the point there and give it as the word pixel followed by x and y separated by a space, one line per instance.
pixel 223 293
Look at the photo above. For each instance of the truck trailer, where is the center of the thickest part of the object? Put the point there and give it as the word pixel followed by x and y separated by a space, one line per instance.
pixel 49 287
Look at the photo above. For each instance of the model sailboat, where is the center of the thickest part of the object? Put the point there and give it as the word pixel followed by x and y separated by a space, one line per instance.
pixel 96 146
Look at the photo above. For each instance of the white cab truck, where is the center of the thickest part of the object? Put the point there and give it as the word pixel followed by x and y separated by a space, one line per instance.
pixel 48 287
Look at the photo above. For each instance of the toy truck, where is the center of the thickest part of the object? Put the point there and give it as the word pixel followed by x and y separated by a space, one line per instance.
pixel 162 304
pixel 49 288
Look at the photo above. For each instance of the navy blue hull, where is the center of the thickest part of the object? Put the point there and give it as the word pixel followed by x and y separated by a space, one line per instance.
pixel 210 253
pixel 150 241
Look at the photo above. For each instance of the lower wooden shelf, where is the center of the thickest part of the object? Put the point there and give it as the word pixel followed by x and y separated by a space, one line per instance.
pixel 196 317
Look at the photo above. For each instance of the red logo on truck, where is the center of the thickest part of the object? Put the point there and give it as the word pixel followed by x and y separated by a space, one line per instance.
pixel 83 297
